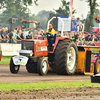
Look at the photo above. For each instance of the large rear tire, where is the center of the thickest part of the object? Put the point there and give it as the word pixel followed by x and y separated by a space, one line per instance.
pixel 31 66
pixel 66 57
pixel 14 68
pixel 97 66
pixel 42 66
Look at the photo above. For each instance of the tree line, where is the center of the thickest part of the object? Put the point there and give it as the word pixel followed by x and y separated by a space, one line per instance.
pixel 19 9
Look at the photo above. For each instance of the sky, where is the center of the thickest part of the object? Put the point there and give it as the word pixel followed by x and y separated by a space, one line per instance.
pixel 80 5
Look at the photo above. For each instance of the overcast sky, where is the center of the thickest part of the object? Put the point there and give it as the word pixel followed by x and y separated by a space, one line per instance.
pixel 80 5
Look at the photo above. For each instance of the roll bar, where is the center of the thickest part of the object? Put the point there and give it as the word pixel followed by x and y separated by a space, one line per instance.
pixel 61 21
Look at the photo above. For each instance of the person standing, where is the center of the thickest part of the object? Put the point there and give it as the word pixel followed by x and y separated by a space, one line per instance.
pixel 26 33
pixel 7 34
pixel 29 36
pixel 15 35
pixel 11 36
pixel 3 35
pixel 0 34
pixel 22 35
pixel 19 35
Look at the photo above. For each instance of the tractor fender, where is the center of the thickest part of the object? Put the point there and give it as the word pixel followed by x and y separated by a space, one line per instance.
pixel 57 40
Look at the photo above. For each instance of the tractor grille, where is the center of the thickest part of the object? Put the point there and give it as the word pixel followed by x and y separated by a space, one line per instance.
pixel 28 45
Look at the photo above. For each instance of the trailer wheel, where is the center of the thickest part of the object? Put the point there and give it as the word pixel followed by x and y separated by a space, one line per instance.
pixel 97 66
pixel 66 57
pixel 42 66
pixel 14 68
pixel 31 66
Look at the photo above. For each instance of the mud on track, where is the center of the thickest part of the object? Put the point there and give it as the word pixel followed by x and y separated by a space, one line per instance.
pixel 55 94
pixel 23 76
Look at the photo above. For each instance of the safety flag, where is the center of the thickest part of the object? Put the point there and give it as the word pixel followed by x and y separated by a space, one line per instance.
pixel 71 7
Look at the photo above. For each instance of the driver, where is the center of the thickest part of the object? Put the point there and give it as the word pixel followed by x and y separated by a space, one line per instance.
pixel 51 35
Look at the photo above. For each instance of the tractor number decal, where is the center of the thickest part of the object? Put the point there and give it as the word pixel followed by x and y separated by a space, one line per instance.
pixel 95 52
pixel 44 48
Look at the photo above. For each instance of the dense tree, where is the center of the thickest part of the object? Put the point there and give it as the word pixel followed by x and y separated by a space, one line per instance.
pixel 42 18
pixel 25 2
pixel 90 19
pixel 14 9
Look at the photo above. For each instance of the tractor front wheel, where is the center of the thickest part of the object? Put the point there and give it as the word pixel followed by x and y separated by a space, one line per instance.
pixel 42 66
pixel 14 68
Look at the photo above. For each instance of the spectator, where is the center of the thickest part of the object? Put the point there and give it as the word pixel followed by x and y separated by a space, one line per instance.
pixel 0 30
pixel 58 34
pixel 19 35
pixel 3 35
pixel 39 32
pixel 72 34
pixel 6 30
pixel 35 32
pixel 7 34
pixel 72 37
pixel 15 36
pixel 66 34
pixel 79 40
pixel 75 37
pixel 94 39
pixel 26 33
pixel 29 36
pixel 11 36
pixel 0 34
pixel 83 37
pixel 22 35
pixel 88 39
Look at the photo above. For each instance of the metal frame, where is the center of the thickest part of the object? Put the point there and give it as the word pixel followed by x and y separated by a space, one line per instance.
pixel 61 21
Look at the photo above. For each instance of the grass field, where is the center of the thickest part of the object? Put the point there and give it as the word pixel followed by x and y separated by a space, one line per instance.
pixel 46 85
pixel 5 60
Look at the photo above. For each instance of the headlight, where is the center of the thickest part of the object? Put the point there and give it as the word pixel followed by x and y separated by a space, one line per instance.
pixel 26 52
pixel 31 52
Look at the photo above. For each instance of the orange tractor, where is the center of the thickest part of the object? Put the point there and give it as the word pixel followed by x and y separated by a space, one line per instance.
pixel 64 58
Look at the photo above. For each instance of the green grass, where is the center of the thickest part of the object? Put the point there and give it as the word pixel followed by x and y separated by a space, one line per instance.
pixel 5 60
pixel 46 85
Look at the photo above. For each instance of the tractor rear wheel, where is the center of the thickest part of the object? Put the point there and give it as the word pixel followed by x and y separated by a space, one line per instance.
pixel 66 57
pixel 14 68
pixel 42 66
pixel 97 66
pixel 31 66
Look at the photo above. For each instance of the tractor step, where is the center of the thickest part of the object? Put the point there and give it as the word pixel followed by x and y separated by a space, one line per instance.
pixel 95 78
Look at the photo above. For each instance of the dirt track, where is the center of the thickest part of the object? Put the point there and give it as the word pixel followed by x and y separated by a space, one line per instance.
pixel 55 94
pixel 24 76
